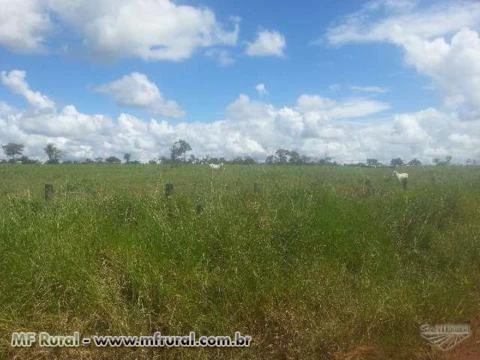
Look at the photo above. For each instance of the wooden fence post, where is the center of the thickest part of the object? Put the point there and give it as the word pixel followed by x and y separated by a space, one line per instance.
pixel 168 189
pixel 49 191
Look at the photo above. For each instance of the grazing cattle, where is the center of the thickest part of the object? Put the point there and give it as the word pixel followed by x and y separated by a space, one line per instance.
pixel 216 166
pixel 402 178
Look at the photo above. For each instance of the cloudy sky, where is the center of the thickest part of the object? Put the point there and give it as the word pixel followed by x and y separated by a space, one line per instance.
pixel 351 80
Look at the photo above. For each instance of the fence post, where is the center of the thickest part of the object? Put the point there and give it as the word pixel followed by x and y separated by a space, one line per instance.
pixel 368 187
pixel 49 192
pixel 168 189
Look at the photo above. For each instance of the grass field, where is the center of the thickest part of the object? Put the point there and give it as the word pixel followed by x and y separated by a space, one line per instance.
pixel 318 263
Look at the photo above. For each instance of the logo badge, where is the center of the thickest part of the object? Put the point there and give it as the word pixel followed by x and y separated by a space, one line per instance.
pixel 445 337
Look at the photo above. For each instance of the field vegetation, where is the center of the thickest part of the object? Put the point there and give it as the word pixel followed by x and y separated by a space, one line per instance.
pixel 314 262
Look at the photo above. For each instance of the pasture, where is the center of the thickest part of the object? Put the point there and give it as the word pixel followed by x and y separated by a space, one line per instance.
pixel 312 262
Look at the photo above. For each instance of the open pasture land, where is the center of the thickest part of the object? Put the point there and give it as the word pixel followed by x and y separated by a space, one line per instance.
pixel 312 262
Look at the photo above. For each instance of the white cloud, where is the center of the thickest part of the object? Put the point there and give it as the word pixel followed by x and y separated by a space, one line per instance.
pixel 328 109
pixel 373 90
pixel 111 28
pixel 315 102
pixel 261 90
pixel 315 126
pixel 453 66
pixel 221 56
pixel 379 21
pixel 6 109
pixel 136 90
pixel 267 43
pixel 441 41
pixel 68 123
pixel 168 31
pixel 369 89
pixel 24 25
pixel 15 80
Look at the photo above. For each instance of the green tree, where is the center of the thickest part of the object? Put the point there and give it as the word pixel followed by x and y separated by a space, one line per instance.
pixel 397 162
pixel 294 157
pixel 415 162
pixel 12 150
pixel 26 160
pixel 178 149
pixel 373 162
pixel 326 160
pixel 54 154
pixel 270 159
pixel 439 162
pixel 282 156
pixel 113 160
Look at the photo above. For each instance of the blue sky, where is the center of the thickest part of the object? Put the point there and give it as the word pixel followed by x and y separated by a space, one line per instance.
pixel 345 79
pixel 205 88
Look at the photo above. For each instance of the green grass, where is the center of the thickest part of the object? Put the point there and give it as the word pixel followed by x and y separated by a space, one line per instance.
pixel 320 262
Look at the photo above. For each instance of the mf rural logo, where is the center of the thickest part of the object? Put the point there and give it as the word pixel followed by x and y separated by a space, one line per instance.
pixel 445 337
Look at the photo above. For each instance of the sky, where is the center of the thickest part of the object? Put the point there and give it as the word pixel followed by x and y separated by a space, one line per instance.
pixel 350 80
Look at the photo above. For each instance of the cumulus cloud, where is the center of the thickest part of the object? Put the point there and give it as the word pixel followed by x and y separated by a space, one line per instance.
pixel 67 123
pixel 267 43
pixel 454 68
pixel 5 109
pixel 24 25
pixel 136 90
pixel 315 125
pixel 440 41
pixel 110 28
pixel 261 90
pixel 15 80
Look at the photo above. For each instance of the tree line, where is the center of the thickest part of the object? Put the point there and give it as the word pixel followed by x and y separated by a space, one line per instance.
pixel 179 150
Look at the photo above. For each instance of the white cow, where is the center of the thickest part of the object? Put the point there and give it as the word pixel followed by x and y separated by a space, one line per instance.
pixel 216 166
pixel 402 177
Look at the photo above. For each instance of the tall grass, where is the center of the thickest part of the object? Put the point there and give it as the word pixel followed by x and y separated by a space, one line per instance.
pixel 320 262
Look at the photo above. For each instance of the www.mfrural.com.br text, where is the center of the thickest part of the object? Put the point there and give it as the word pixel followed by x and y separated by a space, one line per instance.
pixel 44 339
